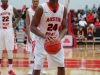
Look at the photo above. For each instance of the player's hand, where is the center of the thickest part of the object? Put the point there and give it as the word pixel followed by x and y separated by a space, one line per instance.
pixel 48 38
pixel 29 39
pixel 14 24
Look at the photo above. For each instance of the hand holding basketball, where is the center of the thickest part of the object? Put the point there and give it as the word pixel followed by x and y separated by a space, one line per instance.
pixel 52 46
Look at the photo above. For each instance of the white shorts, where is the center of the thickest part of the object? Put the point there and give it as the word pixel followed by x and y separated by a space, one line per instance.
pixel 7 39
pixel 30 46
pixel 40 54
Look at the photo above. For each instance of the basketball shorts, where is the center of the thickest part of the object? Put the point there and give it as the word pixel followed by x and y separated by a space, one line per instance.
pixel 7 39
pixel 40 54
pixel 30 46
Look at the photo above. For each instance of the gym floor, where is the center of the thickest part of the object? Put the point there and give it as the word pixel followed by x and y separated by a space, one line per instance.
pixel 78 61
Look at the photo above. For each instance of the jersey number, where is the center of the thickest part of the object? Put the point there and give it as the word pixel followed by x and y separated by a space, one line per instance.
pixel 5 18
pixel 52 27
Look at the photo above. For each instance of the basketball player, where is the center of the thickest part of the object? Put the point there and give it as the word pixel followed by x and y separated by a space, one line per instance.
pixel 6 31
pixel 31 41
pixel 51 16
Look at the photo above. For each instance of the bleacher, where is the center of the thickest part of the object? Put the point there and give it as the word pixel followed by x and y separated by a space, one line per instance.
pixel 74 29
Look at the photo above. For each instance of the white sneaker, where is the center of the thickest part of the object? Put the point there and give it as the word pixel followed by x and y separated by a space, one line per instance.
pixel 43 71
pixel 30 72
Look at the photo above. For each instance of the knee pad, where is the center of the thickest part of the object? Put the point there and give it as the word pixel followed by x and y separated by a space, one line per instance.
pixel 1 54
pixel 31 57
pixel 10 54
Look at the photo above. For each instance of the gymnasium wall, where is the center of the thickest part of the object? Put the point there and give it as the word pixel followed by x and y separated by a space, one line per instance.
pixel 19 3
pixel 80 4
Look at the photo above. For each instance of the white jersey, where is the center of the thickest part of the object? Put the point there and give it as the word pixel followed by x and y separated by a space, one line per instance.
pixel 31 12
pixel 51 21
pixel 6 16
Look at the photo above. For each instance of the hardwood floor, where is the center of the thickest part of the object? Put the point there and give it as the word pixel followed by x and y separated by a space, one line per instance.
pixel 78 61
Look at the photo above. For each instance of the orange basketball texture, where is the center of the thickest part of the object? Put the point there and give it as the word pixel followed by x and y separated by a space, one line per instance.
pixel 53 46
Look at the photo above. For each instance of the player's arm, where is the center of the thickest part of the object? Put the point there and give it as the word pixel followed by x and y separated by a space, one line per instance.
pixel 35 22
pixel 28 26
pixel 17 15
pixel 64 25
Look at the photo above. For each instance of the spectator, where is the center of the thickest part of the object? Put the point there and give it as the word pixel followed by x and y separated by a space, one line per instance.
pixel 24 15
pixel 90 34
pixel 82 23
pixel 81 15
pixel 24 8
pixel 94 8
pixel 25 38
pixel 99 10
pixel 97 17
pixel 90 18
pixel 80 34
pixel 75 21
pixel 97 23
pixel 86 9
pixel 93 27
pixel 94 14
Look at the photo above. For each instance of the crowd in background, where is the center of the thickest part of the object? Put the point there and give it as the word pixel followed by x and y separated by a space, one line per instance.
pixel 87 17
pixel 83 19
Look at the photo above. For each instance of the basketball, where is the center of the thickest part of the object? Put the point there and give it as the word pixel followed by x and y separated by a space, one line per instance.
pixel 53 46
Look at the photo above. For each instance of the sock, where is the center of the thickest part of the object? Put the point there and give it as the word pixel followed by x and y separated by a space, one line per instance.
pixel 32 66
pixel 10 66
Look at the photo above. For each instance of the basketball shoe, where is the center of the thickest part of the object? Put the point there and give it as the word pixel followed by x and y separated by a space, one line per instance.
pixel 11 72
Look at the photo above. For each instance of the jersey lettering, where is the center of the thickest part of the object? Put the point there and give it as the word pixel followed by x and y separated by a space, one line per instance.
pixel 56 19
pixel 50 34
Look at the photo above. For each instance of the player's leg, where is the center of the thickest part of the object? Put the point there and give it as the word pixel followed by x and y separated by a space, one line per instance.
pixel 10 59
pixel 1 51
pixel 31 60
pixel 39 56
pixel 57 60
pixel 61 71
pixel 38 64
pixel 2 45
pixel 10 48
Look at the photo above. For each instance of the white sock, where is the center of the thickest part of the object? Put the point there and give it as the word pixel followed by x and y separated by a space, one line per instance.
pixel 10 66
pixel 32 66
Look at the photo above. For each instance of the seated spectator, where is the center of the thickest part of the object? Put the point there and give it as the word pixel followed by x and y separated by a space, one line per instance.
pixel 90 34
pixel 75 21
pixel 80 34
pixel 99 10
pixel 94 8
pixel 90 18
pixel 94 14
pixel 86 9
pixel 93 26
pixel 82 23
pixel 81 15
pixel 97 23
pixel 97 17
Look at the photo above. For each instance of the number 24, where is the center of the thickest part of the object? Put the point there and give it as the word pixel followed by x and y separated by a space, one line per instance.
pixel 52 27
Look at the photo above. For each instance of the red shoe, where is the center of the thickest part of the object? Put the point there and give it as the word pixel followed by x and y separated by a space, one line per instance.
pixel 11 72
